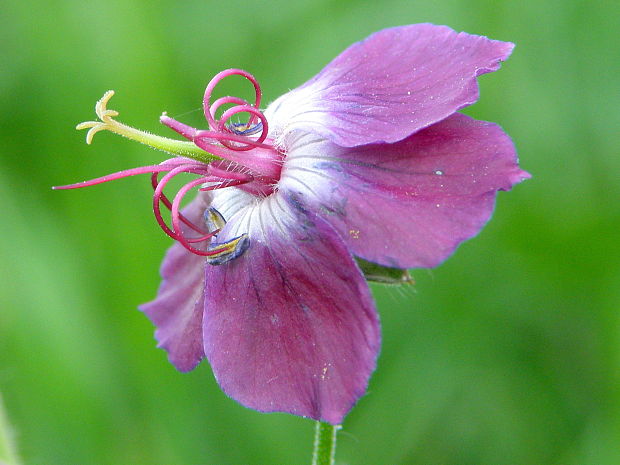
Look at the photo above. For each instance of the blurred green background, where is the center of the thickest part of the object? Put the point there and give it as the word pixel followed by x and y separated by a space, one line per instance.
pixel 509 353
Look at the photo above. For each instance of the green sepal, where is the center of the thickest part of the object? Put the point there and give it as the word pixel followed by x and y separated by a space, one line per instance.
pixel 383 274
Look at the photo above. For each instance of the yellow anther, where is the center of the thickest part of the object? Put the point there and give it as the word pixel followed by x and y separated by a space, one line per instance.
pixel 214 220
pixel 228 250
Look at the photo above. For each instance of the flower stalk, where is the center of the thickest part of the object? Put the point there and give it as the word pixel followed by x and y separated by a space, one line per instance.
pixel 324 451
pixel 8 451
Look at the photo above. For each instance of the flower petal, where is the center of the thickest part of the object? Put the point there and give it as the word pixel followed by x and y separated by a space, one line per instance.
pixel 290 326
pixel 230 200
pixel 177 309
pixel 408 204
pixel 390 85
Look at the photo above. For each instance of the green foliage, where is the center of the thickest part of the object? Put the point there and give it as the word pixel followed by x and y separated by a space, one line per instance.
pixel 507 354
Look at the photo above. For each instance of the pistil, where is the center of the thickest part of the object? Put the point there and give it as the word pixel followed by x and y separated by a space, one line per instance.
pixel 108 123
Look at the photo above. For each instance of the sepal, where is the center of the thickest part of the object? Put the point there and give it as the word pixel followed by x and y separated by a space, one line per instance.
pixel 382 274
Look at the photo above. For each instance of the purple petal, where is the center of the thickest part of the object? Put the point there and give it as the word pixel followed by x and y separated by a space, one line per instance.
pixel 408 204
pixel 290 326
pixel 392 84
pixel 177 310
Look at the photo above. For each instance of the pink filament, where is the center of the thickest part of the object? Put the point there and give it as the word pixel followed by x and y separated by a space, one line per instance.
pixel 117 175
pixel 159 196
pixel 226 174
pixel 175 166
pixel 254 151
pixel 176 225
pixel 209 112
pixel 241 106
pixel 221 141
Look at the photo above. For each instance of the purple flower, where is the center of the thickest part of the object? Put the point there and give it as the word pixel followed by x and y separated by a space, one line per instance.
pixel 368 159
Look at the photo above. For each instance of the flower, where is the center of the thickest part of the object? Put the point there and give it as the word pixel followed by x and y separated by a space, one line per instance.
pixel 369 159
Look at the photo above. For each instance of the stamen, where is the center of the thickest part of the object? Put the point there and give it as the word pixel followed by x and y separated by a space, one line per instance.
pixel 241 106
pixel 264 127
pixel 248 131
pixel 263 161
pixel 225 140
pixel 164 199
pixel 224 101
pixel 159 196
pixel 209 136
pixel 115 176
pixel 229 250
pixel 214 219
pixel 226 173
pixel 209 112
pixel 223 252
pixel 222 185
pixel 176 225
pixel 183 129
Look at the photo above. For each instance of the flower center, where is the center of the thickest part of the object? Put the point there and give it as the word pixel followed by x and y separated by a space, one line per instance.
pixel 229 153
pixel 245 145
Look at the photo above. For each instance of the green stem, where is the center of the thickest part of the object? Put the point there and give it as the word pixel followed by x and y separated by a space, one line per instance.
pixel 324 443
pixel 8 453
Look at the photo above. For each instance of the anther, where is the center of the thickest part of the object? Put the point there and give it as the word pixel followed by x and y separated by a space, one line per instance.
pixel 214 219
pixel 246 131
pixel 228 250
